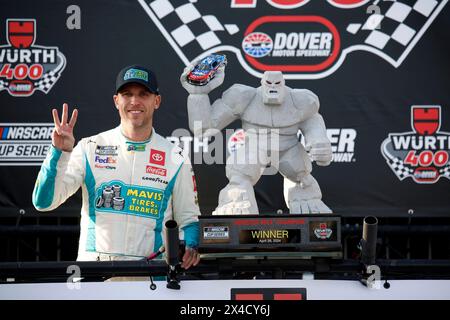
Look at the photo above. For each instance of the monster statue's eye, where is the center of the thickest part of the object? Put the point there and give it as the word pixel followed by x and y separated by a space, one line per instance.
pixel 278 82
pixel 268 82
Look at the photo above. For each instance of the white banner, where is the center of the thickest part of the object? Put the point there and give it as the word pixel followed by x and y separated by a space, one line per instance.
pixel 221 290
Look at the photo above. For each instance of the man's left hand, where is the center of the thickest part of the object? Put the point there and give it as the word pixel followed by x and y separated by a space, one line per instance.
pixel 191 257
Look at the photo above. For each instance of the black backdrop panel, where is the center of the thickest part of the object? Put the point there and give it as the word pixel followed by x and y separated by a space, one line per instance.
pixel 368 83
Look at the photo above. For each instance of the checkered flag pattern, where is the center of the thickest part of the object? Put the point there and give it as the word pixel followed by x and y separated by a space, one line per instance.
pixel 403 171
pixel 445 171
pixel 47 81
pixel 399 168
pixel 192 31
pixel 396 24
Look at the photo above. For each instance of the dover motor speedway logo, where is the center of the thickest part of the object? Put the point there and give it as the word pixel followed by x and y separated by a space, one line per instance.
pixel 294 36
pixel 422 154
pixel 24 66
pixel 24 143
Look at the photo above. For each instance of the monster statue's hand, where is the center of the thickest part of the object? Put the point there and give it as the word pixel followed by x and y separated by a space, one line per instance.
pixel 233 201
pixel 204 89
pixel 320 152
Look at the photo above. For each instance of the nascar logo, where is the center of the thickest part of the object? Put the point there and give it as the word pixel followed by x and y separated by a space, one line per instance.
pixel 24 143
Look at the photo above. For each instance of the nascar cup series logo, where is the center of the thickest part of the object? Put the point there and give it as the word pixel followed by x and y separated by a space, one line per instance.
pixel 24 143
pixel 422 154
pixel 24 66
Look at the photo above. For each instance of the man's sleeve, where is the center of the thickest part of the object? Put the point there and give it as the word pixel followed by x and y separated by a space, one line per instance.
pixel 60 176
pixel 185 205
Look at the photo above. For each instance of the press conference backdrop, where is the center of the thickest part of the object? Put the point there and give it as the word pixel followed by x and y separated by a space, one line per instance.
pixel 380 69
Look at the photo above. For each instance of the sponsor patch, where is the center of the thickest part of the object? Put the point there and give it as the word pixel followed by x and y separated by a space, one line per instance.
pixel 155 170
pixel 136 147
pixel 105 160
pixel 136 74
pixel 120 198
pixel 99 166
pixel 157 180
pixel 106 150
pixel 157 157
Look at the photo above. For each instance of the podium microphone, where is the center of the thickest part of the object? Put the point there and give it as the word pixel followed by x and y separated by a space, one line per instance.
pixel 172 244
pixel 368 245
pixel 369 240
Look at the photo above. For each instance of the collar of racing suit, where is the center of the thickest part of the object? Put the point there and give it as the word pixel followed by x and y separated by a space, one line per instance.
pixel 126 140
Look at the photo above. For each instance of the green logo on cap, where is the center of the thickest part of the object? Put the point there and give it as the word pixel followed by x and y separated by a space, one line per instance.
pixel 136 74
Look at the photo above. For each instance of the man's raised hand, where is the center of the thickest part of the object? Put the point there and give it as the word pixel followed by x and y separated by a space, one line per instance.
pixel 62 137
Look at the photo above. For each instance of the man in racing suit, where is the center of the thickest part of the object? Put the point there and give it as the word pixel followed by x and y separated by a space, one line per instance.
pixel 133 180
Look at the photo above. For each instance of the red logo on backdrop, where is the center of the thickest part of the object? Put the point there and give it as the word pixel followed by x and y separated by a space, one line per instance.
pixel 21 33
pixel 155 170
pixel 294 54
pixel 422 154
pixel 157 157
pixel 426 121
pixel 24 66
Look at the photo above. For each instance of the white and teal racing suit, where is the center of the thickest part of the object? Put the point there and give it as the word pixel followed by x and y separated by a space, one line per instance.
pixel 129 191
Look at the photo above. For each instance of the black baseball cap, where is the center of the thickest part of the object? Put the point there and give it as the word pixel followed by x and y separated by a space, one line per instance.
pixel 137 74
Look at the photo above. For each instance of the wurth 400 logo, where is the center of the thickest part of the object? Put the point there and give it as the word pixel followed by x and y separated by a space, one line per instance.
pixel 24 66
pixel 323 232
pixel 422 154
pixel 288 36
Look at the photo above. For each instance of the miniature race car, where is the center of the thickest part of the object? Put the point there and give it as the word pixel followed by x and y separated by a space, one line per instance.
pixel 206 69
